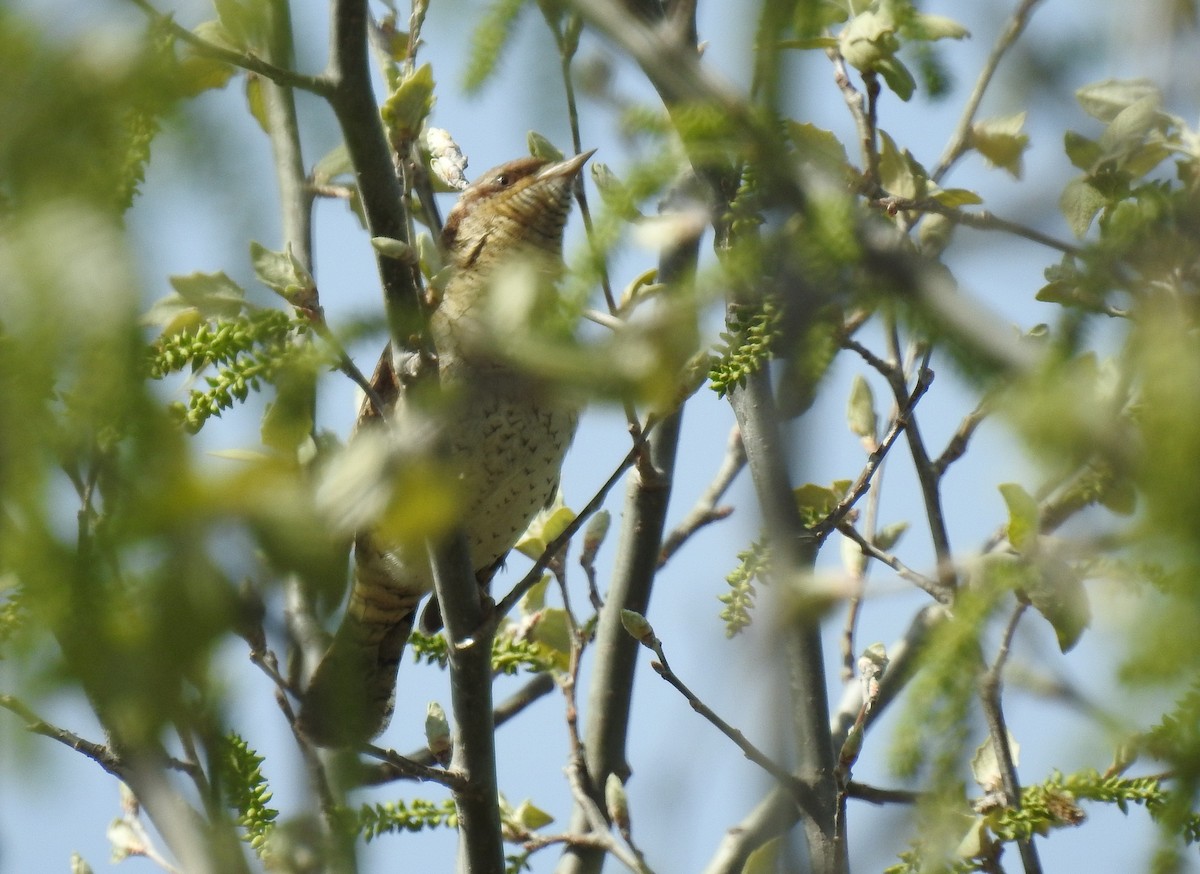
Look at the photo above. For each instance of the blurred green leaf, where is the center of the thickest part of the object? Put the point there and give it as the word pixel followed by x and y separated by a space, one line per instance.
pixel 540 147
pixel 406 108
pixel 860 410
pixel 1001 141
pixel 1105 100
pixel 899 172
pixel 1023 517
pixel 1080 203
pixel 488 41
pixel 1056 591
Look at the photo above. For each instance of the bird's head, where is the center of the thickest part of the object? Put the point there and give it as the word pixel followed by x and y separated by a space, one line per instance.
pixel 515 210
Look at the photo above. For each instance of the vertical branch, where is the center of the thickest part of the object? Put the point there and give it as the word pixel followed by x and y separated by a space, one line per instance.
pixel 927 471
pixel 283 129
pixel 991 685
pixel 481 850
pixel 611 689
pixel 960 140
pixel 353 102
pixel 793 552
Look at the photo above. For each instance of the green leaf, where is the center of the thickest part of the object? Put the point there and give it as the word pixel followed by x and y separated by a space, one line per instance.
pixel 545 527
pixel 955 197
pixel 1023 517
pixel 1056 591
pixel 1105 100
pixel 820 147
pixel 1001 142
pixel 616 195
pixel 860 410
pixel 531 817
pixel 765 859
pixel 201 73
pixel 1131 124
pixel 535 599
pixel 899 172
pixel 890 535
pixel 553 632
pixel 815 502
pixel 985 766
pixel 283 273
pixel 1082 152
pixel 812 42
pixel 257 102
pixel 212 295
pixel 935 27
pixel 247 22
pixel 1144 158
pixel 335 163
pixel 1058 291
pixel 407 107
pixel 540 147
pixel 1080 202
pixel 897 77
pixel 868 39
pixel 288 420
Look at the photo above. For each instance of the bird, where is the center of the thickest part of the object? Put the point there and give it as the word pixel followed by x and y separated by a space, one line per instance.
pixel 504 435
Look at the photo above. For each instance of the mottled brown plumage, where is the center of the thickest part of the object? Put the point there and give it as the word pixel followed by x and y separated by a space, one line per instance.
pixel 504 432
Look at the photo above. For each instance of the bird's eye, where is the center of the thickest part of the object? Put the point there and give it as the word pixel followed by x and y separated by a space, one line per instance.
pixel 501 179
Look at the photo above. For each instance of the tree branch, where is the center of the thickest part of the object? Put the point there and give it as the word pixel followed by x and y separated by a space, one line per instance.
pixel 795 549
pixel 353 102
pixel 646 500
pixel 990 688
pixel 663 668
pixel 960 140
pixel 98 753
pixel 481 849
pixel 248 61
pixel 939 592
pixel 706 511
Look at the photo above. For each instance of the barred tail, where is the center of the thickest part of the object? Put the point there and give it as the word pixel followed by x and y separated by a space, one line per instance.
pixel 352 693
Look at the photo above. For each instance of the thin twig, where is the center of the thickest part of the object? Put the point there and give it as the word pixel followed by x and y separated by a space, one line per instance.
pixel 347 366
pixel 98 753
pixel 599 257
pixel 982 220
pixel 957 446
pixel 706 511
pixel 926 475
pixel 318 85
pixel 599 830
pixel 960 139
pixel 879 795
pixel 663 668
pixel 990 687
pixel 862 569
pixel 899 423
pixel 856 104
pixel 506 604
pixel 402 766
pixel 538 687
pixel 938 591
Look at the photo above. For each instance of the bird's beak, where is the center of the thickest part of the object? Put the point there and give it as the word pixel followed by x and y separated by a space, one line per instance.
pixel 567 169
